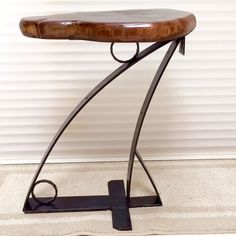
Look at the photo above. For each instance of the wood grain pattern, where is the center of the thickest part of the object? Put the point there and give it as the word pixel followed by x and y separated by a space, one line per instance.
pixel 149 25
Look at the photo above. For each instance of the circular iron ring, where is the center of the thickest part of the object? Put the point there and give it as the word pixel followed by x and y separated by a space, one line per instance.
pixel 50 199
pixel 124 61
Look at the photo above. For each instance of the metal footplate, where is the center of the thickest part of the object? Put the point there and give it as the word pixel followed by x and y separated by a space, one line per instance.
pixel 116 201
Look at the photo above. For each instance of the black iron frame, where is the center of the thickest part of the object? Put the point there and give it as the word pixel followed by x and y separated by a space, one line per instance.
pixel 118 201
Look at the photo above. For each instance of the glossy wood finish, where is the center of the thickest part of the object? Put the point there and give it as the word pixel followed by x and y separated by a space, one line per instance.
pixel 148 25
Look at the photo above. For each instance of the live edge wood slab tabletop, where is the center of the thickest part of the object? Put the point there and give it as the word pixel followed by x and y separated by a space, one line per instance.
pixel 146 25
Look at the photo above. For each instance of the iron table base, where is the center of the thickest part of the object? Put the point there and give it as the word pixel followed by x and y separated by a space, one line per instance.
pixel 116 201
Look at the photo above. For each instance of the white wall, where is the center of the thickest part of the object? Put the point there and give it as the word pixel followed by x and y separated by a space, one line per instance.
pixel 193 114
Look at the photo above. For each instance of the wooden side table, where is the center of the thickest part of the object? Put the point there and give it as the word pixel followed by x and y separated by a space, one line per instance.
pixel 161 26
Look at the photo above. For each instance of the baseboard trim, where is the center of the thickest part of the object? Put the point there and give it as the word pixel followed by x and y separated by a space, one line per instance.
pixel 5 161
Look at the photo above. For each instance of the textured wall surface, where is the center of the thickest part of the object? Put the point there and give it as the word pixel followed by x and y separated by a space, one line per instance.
pixel 193 113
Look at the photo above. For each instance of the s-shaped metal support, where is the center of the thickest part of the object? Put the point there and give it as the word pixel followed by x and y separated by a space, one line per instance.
pixel 117 201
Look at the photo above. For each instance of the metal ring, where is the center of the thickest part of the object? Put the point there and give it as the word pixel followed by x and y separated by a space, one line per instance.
pixel 124 61
pixel 48 182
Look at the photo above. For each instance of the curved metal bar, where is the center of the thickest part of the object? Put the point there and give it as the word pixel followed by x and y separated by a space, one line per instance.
pixel 147 171
pixel 84 101
pixel 124 61
pixel 144 109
